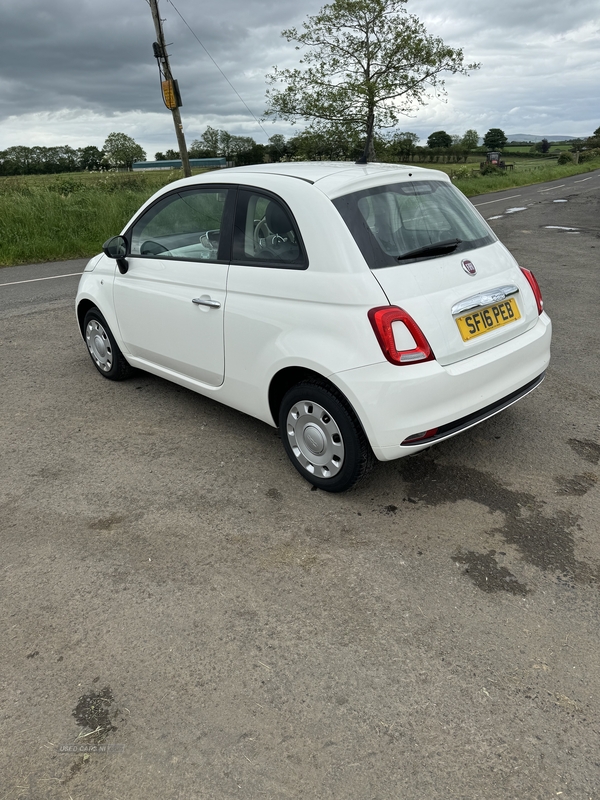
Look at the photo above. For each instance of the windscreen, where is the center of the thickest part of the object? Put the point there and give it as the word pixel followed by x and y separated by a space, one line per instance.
pixel 389 223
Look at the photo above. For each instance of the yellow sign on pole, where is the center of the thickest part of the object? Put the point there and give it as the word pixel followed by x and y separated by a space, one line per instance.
pixel 169 94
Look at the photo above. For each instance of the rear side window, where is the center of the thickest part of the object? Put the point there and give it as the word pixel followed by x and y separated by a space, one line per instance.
pixel 389 222
pixel 265 233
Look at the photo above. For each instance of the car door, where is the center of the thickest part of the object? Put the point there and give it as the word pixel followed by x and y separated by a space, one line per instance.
pixel 170 303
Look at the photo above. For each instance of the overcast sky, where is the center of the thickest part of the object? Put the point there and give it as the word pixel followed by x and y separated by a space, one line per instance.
pixel 72 71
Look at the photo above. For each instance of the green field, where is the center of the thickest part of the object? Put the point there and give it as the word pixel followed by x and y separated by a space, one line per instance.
pixel 56 217
pixel 469 180
pixel 526 148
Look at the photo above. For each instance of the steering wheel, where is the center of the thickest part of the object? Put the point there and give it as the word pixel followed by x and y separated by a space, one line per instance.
pixel 208 242
pixel 261 231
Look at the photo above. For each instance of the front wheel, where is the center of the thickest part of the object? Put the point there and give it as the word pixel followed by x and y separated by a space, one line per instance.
pixel 323 438
pixel 103 349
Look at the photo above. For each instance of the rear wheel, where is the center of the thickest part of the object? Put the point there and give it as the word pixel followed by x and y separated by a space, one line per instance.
pixel 103 349
pixel 323 438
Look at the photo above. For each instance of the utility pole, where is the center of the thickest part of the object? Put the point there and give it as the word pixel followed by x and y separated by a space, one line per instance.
pixel 170 91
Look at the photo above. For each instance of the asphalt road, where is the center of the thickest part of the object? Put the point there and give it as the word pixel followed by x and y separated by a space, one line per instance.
pixel 169 579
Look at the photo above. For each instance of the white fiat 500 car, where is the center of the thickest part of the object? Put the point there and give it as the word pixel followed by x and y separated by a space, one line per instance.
pixel 367 311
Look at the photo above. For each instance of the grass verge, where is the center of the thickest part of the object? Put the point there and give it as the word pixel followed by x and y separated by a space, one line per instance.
pixel 51 218
pixel 57 217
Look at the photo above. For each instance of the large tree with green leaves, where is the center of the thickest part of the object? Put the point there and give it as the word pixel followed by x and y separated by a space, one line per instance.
pixel 439 140
pixel 495 139
pixel 90 157
pixel 121 150
pixel 470 140
pixel 364 63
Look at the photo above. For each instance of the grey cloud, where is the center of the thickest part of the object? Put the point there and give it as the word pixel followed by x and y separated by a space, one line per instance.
pixel 80 55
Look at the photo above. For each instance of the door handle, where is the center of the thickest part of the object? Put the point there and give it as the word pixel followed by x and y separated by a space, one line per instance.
pixel 206 301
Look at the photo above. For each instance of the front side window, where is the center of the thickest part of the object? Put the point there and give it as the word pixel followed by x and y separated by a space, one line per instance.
pixel 184 225
pixel 265 233
pixel 404 222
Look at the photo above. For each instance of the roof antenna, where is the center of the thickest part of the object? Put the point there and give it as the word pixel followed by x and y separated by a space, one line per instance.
pixel 368 144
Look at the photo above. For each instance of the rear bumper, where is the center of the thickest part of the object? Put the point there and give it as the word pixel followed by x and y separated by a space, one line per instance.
pixel 396 403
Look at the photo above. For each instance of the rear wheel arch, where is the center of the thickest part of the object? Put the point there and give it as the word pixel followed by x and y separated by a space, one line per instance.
pixel 284 380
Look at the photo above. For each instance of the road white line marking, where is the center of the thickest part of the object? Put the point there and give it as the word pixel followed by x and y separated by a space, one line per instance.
pixel 552 188
pixel 487 202
pixel 581 180
pixel 49 278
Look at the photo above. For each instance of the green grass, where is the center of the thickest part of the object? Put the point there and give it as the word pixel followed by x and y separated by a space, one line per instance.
pixel 526 148
pixel 56 217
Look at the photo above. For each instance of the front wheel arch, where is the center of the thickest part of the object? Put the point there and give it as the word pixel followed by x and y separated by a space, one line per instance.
pixel 82 309
pixel 103 348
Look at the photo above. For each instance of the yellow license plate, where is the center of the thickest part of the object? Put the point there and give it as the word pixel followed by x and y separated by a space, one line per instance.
pixel 487 319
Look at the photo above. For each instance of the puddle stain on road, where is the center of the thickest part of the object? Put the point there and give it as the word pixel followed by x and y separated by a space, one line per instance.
pixel 578 485
pixel 94 714
pixel 586 449
pixel 545 542
pixel 487 574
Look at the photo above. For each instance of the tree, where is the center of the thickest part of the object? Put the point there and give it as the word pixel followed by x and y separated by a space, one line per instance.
pixel 594 139
pixel 439 139
pixel 365 62
pixel 17 160
pixel 470 140
pixel 494 139
pixel 90 157
pixel 402 145
pixel 121 150
pixel 328 143
pixel 209 142
pixel 197 150
pixel 543 146
pixel 277 149
pixel 240 147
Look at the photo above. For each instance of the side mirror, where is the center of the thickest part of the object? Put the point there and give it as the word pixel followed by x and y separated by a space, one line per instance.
pixel 117 248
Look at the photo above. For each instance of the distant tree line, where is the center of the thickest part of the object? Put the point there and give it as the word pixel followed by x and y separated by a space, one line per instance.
pixel 329 143
pixel 119 152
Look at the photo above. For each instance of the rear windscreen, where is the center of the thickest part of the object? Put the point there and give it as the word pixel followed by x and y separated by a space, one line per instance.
pixel 389 222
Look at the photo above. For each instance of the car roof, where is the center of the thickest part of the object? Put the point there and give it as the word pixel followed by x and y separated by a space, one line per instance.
pixel 333 178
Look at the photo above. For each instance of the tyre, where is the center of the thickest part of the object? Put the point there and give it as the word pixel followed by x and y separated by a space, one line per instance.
pixel 103 349
pixel 323 438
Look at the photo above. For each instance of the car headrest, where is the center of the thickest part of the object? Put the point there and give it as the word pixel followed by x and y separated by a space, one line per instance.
pixel 277 219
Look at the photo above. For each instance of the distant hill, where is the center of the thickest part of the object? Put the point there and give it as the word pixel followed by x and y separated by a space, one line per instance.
pixel 529 137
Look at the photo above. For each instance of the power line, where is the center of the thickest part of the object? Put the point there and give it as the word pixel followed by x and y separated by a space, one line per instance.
pixel 219 68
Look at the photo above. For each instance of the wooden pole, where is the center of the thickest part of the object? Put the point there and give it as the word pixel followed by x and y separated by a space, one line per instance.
pixel 163 59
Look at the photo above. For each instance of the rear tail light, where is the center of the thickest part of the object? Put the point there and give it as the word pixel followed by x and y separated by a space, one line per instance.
pixel 535 288
pixel 399 336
